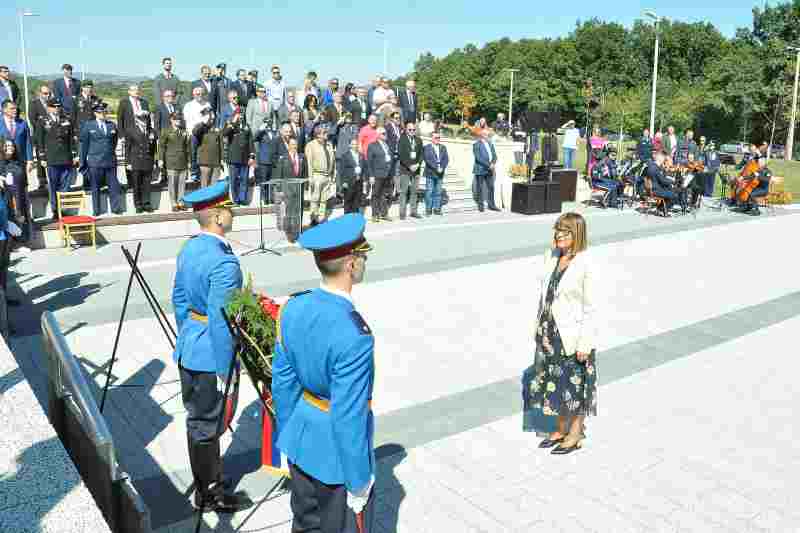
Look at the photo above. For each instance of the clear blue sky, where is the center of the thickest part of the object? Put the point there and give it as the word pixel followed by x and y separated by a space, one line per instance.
pixel 333 37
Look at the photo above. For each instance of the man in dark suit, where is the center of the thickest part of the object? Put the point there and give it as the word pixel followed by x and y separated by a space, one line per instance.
pixel 230 108
pixel 379 165
pixel 8 87
pixel 66 89
pixel 297 130
pixel 141 158
pixel 15 129
pixel 98 158
pixel 84 105
pixel 394 130
pixel 483 170
pixel 205 82
pixel 58 151
pixel 290 166
pixel 219 91
pixel 265 143
pixel 167 106
pixel 436 161
pixel 351 168
pixel 241 87
pixel 38 107
pixel 129 108
pixel 409 103
pixel 410 152
pixel 252 83
pixel 359 107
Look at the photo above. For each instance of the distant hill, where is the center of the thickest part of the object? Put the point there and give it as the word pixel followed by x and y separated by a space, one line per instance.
pixel 95 77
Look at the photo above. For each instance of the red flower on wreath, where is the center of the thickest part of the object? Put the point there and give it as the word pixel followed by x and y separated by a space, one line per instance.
pixel 269 306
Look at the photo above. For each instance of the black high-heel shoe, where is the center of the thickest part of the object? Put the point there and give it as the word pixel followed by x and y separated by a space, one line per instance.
pixel 549 443
pixel 558 450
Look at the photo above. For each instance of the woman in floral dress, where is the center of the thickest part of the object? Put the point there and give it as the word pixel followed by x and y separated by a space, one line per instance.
pixel 563 380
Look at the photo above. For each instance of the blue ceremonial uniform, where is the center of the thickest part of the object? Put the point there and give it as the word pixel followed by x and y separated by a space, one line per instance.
pixel 207 273
pixel 322 379
pixel 326 349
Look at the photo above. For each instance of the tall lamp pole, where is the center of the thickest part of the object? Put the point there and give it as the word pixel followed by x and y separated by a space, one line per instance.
pixel 790 136
pixel 656 19
pixel 511 97
pixel 21 14
pixel 83 59
pixel 385 52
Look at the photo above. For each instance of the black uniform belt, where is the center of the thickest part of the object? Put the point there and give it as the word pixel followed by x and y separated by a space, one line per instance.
pixel 194 315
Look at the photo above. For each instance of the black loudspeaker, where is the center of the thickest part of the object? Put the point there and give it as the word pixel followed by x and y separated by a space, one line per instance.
pixel 528 198
pixel 568 180
pixel 549 148
pixel 552 120
pixel 552 197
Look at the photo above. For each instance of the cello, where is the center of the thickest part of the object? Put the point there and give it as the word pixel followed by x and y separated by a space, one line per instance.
pixel 746 183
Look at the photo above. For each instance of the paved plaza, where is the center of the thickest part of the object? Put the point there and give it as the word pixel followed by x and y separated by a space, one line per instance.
pixel 697 363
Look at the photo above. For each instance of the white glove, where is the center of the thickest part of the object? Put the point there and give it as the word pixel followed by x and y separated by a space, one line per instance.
pixel 222 382
pixel 13 229
pixel 358 501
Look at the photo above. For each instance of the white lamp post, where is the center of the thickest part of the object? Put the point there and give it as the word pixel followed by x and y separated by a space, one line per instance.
pixel 21 14
pixel 790 136
pixel 385 52
pixel 83 61
pixel 656 19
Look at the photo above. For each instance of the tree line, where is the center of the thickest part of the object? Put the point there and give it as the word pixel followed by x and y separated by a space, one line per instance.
pixel 727 88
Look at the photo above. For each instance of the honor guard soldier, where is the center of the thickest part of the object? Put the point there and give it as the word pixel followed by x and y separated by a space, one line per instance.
pixel 58 150
pixel 207 273
pixel 323 375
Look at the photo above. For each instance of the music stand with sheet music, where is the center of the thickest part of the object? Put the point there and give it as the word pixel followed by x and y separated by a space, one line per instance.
pixel 288 197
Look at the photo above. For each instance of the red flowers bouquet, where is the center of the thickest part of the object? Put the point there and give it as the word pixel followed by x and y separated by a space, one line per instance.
pixel 257 316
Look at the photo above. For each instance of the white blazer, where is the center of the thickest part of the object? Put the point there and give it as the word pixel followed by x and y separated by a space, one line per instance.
pixel 573 306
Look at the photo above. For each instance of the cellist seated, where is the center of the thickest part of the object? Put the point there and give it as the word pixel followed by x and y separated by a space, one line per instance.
pixel 605 176
pixel 749 204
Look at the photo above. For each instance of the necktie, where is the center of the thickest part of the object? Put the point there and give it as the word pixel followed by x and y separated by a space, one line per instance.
pixel 102 127
pixel 136 105
pixel 67 88
pixel 294 165
pixel 263 106
pixel 410 98
pixel 12 128
pixel 327 158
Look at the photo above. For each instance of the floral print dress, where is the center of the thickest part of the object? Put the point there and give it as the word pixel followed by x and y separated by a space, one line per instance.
pixel 560 384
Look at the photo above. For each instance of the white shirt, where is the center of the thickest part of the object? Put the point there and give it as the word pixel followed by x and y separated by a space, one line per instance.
pixel 7 87
pixel 380 96
pixel 571 138
pixel 191 114
pixel 337 292
pixel 436 151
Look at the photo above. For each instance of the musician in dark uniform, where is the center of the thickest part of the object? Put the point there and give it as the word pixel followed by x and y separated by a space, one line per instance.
pixel 58 150
pixel 141 157
pixel 323 375
pixel 661 185
pixel 710 158
pixel 605 175
pixel 207 273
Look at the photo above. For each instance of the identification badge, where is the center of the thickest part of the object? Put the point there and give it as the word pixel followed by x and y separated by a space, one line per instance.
pixel 413 154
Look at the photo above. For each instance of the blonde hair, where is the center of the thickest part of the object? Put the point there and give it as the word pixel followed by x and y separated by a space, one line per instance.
pixel 575 224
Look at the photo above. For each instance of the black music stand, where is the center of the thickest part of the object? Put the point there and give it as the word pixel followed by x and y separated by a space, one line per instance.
pixel 261 248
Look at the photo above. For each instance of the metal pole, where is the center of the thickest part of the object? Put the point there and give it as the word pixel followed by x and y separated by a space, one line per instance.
pixel 83 61
pixel 24 63
pixel 790 137
pixel 511 96
pixel 385 56
pixel 655 81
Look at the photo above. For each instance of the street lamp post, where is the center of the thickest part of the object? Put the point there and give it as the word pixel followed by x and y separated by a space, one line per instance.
pixel 83 59
pixel 24 13
pixel 790 136
pixel 656 19
pixel 511 97
pixel 385 52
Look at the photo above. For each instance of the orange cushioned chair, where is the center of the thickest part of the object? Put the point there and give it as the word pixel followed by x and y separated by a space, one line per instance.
pixel 71 225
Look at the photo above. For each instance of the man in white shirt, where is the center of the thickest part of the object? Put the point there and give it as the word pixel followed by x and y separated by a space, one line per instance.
pixel 276 92
pixel 570 143
pixel 192 116
pixel 381 94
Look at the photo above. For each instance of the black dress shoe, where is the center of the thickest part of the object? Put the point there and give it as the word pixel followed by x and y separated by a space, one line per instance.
pixel 549 443
pixel 148 209
pixel 480 208
pixel 11 302
pixel 223 503
pixel 493 208
pixel 139 210
pixel 558 450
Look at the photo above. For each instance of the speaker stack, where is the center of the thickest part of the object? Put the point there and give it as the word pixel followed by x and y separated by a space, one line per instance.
pixel 536 197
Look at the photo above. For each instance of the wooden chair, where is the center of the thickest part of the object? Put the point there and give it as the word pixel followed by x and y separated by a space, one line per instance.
pixel 71 225
pixel 651 201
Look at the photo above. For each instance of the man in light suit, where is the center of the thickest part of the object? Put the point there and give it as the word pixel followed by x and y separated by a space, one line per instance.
pixel 66 89
pixel 16 130
pixel 409 103
pixel 98 158
pixel 288 107
pixel 483 170
pixel 257 109
pixel 436 161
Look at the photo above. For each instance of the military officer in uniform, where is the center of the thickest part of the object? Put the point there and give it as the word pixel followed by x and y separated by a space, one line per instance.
pixel 98 158
pixel 323 375
pixel 207 273
pixel 58 151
